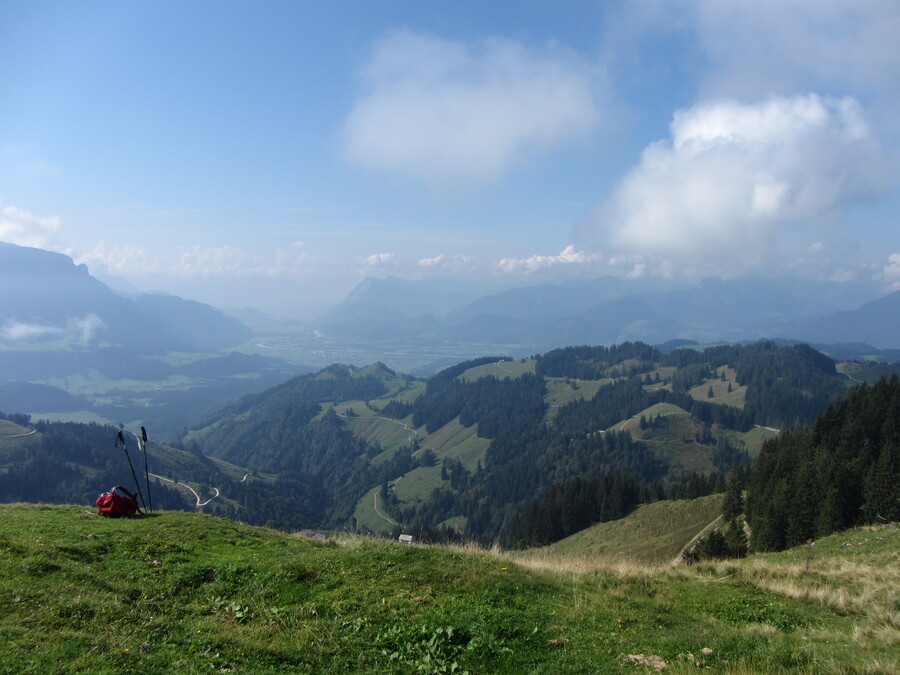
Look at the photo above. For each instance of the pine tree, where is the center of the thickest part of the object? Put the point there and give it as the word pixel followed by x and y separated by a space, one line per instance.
pixel 733 503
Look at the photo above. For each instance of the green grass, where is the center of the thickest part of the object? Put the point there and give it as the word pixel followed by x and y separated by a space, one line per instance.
pixel 188 593
pixel 365 513
pixel 502 369
pixel 673 442
pixel 736 397
pixel 753 440
pixel 15 442
pixel 653 533
pixel 390 434
pixel 458 442
pixel 418 483
pixel 633 424
pixel 407 393
pixel 11 429
pixel 452 440
pixel 561 391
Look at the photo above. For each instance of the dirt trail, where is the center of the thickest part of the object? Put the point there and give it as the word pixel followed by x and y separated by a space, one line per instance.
pixel 381 417
pixel 379 513
pixel 27 433
pixel 687 547
pixel 188 487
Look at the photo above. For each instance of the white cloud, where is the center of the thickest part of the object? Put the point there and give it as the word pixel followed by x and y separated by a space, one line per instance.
pixel 379 259
pixel 732 175
pixel 454 116
pixel 18 226
pixel 15 331
pixel 118 259
pixel 81 330
pixel 436 261
pixel 448 264
pixel 568 256
pixel 891 272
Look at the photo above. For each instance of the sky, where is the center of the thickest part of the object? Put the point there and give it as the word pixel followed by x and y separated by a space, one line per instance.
pixel 274 154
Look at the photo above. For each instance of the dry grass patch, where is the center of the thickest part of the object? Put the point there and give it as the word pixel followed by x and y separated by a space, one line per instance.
pixel 541 560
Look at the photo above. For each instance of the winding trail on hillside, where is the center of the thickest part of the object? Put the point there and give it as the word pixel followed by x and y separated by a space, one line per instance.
pixel 687 547
pixel 27 433
pixel 194 492
pixel 381 417
pixel 379 513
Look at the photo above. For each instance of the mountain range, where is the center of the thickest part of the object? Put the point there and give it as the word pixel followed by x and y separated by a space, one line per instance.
pixel 72 348
pixel 96 354
pixel 46 297
pixel 609 310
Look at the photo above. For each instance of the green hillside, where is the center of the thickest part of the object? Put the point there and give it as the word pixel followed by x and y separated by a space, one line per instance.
pixel 476 442
pixel 176 592
pixel 469 448
pixel 653 533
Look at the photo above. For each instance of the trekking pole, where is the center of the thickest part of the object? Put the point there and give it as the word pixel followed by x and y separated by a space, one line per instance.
pixel 120 438
pixel 142 442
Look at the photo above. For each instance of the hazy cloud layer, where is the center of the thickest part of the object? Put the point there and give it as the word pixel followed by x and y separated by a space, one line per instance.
pixel 732 175
pixel 568 256
pixel 449 264
pixel 231 261
pixel 452 116
pixel 18 226
pixel 891 272
pixel 118 259
pixel 80 330
pixel 378 259
pixel 757 47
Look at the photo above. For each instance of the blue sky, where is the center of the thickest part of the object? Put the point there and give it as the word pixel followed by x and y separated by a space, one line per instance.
pixel 276 153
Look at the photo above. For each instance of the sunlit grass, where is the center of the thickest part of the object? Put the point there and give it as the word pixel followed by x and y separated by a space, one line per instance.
pixel 178 592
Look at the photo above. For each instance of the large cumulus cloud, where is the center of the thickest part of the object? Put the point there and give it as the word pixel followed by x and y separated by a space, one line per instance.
pixel 733 175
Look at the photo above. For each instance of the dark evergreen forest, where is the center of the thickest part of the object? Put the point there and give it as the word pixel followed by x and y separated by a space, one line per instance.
pixel 841 471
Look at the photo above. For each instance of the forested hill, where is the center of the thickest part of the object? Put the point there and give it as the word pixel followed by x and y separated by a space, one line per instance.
pixel 842 471
pixel 71 463
pixel 468 449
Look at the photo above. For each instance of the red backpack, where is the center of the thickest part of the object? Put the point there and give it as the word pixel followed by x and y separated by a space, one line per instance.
pixel 117 502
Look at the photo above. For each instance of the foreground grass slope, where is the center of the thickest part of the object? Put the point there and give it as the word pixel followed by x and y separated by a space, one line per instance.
pixel 177 592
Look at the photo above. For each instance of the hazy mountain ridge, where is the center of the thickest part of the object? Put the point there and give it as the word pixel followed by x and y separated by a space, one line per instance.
pixel 875 323
pixel 609 310
pixel 46 296
pixel 72 345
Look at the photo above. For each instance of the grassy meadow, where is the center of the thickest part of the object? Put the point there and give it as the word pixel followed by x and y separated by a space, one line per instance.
pixel 653 533
pixel 188 593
